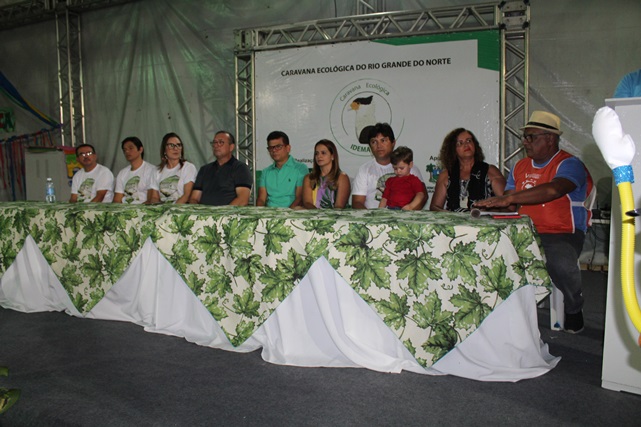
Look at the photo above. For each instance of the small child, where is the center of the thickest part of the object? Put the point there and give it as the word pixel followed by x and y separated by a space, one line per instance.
pixel 403 191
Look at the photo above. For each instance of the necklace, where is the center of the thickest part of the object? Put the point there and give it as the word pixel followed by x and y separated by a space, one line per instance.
pixel 463 193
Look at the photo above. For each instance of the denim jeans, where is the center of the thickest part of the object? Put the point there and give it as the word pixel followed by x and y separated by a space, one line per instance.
pixel 562 253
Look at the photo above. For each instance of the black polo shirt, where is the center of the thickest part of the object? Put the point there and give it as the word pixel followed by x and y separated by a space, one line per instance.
pixel 218 183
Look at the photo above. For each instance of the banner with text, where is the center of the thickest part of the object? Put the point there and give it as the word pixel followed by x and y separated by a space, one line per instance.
pixel 423 86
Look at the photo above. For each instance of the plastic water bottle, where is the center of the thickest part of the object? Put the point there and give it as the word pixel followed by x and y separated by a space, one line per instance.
pixel 50 192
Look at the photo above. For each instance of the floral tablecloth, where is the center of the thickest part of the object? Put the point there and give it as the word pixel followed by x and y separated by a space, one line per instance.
pixel 431 277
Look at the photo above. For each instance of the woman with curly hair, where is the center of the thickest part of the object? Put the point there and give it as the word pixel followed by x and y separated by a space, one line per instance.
pixel 465 177
pixel 326 186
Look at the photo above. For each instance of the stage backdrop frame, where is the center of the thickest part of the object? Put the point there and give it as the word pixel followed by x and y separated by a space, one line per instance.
pixel 511 19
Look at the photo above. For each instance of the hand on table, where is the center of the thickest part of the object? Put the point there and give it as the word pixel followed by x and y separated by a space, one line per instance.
pixel 493 202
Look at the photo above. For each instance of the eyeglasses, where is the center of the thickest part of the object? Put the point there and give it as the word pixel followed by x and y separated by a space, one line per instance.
pixel 276 147
pixel 174 146
pixel 463 142
pixel 217 142
pixel 531 137
pixel 85 154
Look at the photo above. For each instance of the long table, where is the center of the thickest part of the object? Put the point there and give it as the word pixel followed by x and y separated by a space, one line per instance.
pixel 387 290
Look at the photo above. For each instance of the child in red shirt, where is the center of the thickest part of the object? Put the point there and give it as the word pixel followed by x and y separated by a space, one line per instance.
pixel 403 191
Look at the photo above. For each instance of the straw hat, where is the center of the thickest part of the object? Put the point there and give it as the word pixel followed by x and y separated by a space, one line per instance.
pixel 544 120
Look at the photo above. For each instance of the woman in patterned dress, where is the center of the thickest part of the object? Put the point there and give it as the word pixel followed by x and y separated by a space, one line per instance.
pixel 326 187
pixel 465 177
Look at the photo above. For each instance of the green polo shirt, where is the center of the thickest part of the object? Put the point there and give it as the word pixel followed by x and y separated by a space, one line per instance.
pixel 281 183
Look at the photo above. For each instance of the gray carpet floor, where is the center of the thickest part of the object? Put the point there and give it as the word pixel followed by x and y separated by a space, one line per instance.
pixel 78 372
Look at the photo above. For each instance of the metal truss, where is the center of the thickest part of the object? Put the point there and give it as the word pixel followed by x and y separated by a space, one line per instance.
pixel 244 68
pixel 68 42
pixel 510 17
pixel 24 13
pixel 32 11
pixel 72 111
pixel 371 26
pixel 515 41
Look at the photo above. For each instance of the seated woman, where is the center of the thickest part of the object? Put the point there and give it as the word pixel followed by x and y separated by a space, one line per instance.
pixel 465 177
pixel 175 177
pixel 326 186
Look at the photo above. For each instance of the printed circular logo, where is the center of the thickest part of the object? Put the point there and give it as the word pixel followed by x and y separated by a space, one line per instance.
pixel 364 103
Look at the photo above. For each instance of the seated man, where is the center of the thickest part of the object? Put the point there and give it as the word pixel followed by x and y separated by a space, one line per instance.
pixel 369 182
pixel 281 184
pixel 94 182
pixel 225 181
pixel 133 181
pixel 551 186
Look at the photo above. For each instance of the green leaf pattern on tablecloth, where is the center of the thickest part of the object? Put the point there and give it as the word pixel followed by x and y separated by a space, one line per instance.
pixel 88 248
pixel 432 278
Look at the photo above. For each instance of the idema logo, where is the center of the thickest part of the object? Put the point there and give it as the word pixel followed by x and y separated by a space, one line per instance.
pixel 364 103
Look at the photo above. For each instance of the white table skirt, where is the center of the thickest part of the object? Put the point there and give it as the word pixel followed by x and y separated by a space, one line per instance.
pixel 323 322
